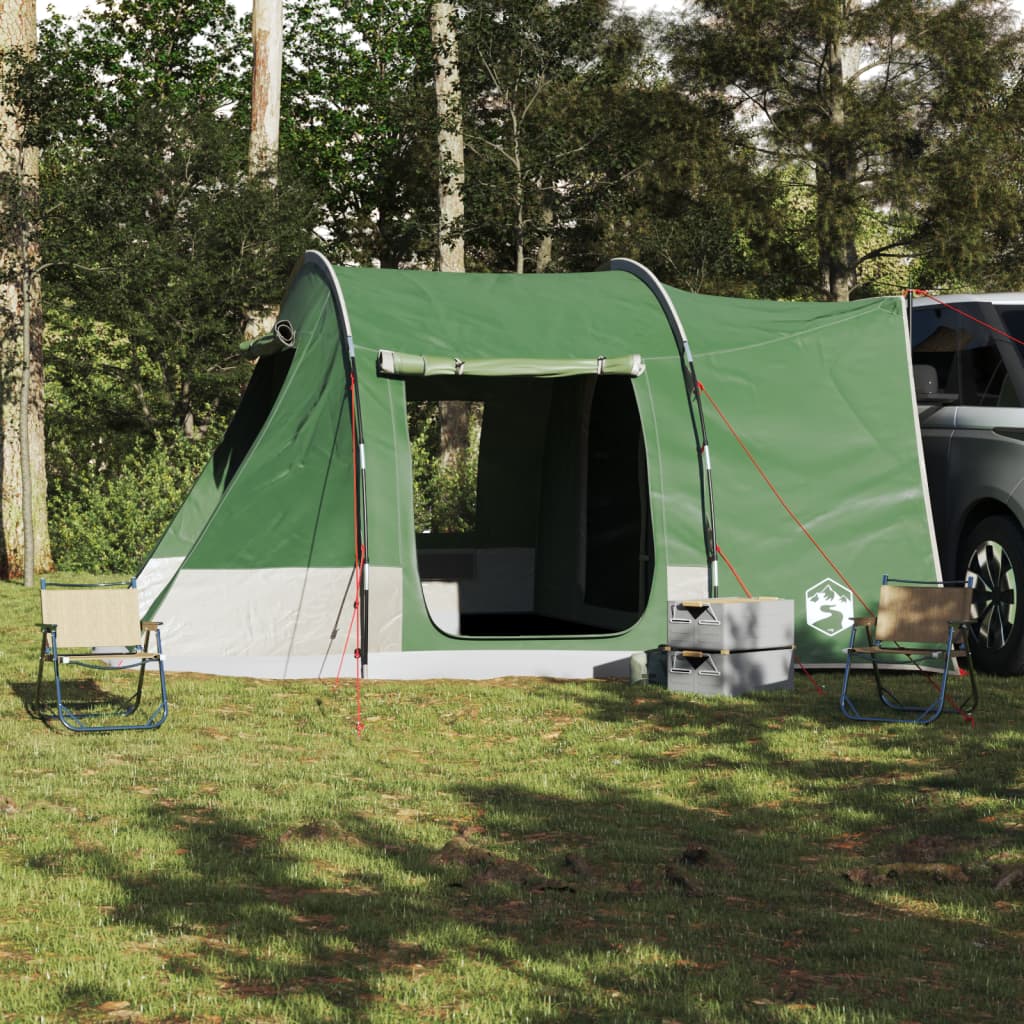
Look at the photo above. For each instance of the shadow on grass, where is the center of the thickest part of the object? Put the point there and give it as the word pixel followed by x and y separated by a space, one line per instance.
pixel 86 699
pixel 612 906
pixel 870 763
pixel 674 895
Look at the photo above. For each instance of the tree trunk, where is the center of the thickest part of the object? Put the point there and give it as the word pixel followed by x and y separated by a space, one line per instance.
pixel 451 252
pixel 519 193
pixel 25 417
pixel 451 247
pixel 265 130
pixel 520 201
pixel 23 519
pixel 267 46
pixel 545 248
pixel 453 420
pixel 836 171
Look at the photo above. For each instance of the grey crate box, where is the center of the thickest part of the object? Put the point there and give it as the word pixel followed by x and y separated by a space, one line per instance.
pixel 717 674
pixel 730 623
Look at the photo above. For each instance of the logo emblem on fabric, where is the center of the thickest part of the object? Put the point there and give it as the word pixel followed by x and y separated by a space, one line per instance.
pixel 829 607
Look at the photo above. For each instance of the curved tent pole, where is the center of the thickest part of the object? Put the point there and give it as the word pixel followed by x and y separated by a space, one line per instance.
pixel 707 497
pixel 361 517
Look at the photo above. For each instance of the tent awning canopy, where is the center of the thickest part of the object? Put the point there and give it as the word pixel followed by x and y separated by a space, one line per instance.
pixel 402 364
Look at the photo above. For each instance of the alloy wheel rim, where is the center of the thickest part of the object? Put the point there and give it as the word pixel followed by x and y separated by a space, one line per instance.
pixel 994 604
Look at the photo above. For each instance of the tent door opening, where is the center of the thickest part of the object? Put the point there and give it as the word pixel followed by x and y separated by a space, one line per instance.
pixel 547 530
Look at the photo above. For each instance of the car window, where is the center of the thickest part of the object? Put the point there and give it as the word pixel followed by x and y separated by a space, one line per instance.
pixel 1014 320
pixel 968 364
pixel 987 376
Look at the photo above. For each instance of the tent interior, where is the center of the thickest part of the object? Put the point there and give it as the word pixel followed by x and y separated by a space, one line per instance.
pixel 561 543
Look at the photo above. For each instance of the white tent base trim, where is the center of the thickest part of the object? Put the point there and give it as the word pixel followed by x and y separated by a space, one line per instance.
pixel 479 665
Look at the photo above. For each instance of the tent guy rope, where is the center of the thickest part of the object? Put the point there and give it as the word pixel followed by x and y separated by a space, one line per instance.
pixel 780 499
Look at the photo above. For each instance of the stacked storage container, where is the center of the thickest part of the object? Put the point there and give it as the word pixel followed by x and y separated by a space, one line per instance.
pixel 726 646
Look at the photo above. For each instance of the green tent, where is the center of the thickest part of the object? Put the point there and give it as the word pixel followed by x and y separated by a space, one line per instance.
pixel 295 554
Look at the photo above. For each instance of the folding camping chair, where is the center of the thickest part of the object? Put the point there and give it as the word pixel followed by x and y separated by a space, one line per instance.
pixel 918 625
pixel 96 626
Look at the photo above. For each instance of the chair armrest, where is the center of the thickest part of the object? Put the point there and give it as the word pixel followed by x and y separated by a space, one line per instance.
pixel 47 627
pixel 149 627
pixel 865 620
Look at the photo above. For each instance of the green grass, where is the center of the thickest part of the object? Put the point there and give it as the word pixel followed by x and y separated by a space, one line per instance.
pixel 517 850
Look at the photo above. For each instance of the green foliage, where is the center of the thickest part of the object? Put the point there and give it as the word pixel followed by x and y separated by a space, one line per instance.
pixel 696 207
pixel 358 116
pixel 154 227
pixel 107 517
pixel 876 103
pixel 971 217
pixel 444 488
pixel 539 86
pixel 97 392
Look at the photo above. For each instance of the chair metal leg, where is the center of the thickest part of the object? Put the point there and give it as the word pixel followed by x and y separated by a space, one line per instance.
pixel 81 720
pixel 916 714
pixel 37 707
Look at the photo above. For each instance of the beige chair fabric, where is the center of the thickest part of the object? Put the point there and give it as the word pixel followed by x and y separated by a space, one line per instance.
pixel 93 617
pixel 920 615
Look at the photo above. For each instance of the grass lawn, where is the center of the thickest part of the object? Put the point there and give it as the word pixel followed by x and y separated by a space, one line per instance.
pixel 515 850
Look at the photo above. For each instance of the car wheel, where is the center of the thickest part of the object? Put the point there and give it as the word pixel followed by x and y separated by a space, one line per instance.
pixel 993 553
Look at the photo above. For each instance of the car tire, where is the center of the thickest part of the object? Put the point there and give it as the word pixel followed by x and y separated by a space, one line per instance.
pixel 993 553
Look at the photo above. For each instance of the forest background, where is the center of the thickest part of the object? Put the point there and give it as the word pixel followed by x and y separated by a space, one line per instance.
pixel 786 149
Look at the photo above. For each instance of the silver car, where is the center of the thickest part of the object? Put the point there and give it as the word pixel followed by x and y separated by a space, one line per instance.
pixel 968 355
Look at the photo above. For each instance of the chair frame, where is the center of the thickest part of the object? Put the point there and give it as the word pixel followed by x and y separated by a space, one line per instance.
pixel 938 630
pixel 137 653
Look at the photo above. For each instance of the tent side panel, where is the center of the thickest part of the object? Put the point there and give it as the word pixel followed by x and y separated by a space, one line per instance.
pixel 278 622
pixel 214 479
pixel 822 398
pixel 292 505
pixel 275 557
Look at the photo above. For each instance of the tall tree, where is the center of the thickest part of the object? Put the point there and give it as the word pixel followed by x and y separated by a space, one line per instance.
pixel 453 417
pixel 847 90
pixel 265 127
pixel 24 537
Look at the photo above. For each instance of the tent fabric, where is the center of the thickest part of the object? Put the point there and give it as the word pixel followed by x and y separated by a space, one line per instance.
pixel 821 394
pixel 588 514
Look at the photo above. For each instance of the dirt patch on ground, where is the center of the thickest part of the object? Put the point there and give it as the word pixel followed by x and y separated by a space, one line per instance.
pixel 477 866
pixel 939 859
pixel 886 874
